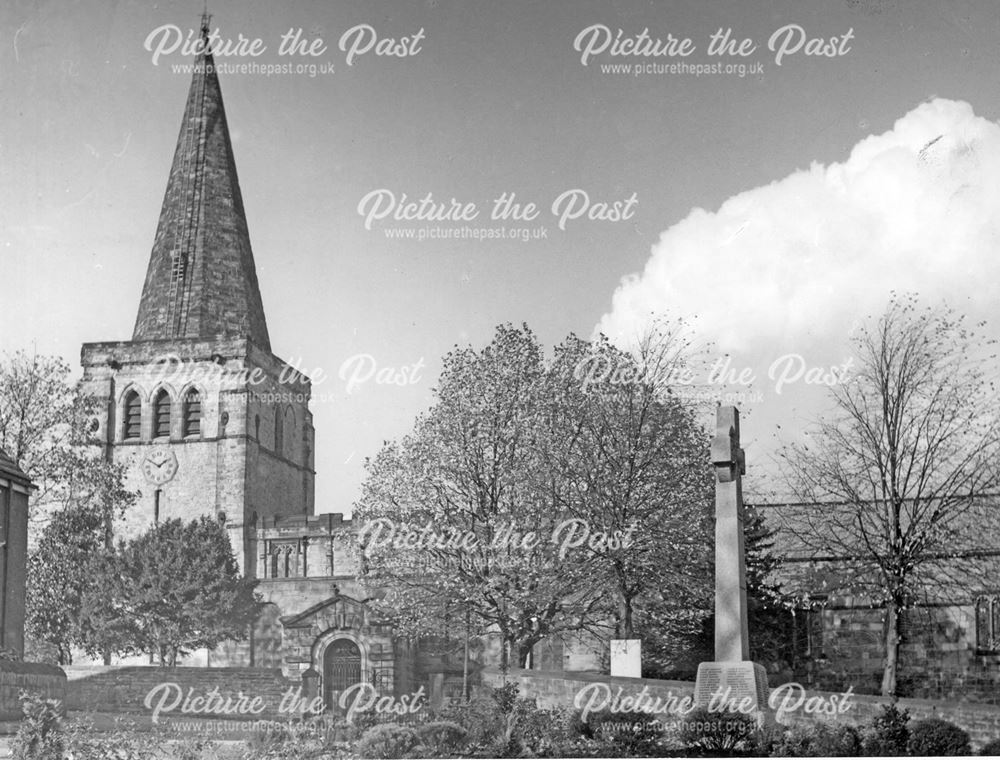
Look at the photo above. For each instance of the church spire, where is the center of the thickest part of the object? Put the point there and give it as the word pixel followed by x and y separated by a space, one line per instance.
pixel 201 281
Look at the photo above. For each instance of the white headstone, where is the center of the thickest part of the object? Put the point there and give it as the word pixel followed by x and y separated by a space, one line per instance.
pixel 626 658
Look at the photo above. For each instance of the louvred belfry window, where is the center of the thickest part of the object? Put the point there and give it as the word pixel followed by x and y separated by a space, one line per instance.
pixel 133 416
pixel 161 419
pixel 192 413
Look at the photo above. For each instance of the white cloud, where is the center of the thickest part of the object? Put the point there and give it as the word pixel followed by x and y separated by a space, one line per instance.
pixel 795 263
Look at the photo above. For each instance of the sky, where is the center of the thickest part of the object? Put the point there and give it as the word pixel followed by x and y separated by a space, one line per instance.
pixel 773 199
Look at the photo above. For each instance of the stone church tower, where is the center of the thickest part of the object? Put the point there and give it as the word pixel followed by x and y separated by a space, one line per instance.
pixel 207 421
pixel 206 418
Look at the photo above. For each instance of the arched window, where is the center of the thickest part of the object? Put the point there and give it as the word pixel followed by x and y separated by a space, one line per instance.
pixel 274 562
pixel 161 415
pixel 288 432
pixel 288 562
pixel 279 431
pixel 133 417
pixel 156 506
pixel 192 413
pixel 988 624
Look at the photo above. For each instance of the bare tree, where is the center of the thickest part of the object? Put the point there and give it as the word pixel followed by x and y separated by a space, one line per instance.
pixel 907 455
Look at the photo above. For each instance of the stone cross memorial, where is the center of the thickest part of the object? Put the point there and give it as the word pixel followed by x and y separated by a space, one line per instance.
pixel 732 681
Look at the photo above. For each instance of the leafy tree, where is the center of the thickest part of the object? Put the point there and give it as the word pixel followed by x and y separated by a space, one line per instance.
pixel 67 559
pixel 171 590
pixel 633 460
pixel 471 469
pixel 43 417
pixel 906 458
pixel 600 471
pixel 37 401
pixel 43 420
pixel 59 572
pixel 769 607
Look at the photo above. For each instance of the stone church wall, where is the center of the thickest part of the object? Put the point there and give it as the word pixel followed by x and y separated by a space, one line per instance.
pixel 939 655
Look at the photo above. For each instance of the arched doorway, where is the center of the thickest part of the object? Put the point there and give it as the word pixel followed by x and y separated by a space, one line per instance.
pixel 341 668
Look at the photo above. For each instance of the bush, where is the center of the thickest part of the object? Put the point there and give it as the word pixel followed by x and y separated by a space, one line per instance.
pixel 388 741
pixel 287 741
pixel 442 737
pixel 820 740
pixel 625 734
pixel 479 717
pixel 991 748
pixel 888 734
pixel 342 730
pixel 766 740
pixel 505 697
pixel 40 735
pixel 718 730
pixel 194 749
pixel 540 733
pixel 936 737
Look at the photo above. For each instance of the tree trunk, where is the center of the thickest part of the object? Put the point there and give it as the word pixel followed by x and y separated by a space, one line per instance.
pixel 626 626
pixel 891 661
pixel 505 647
pixel 524 652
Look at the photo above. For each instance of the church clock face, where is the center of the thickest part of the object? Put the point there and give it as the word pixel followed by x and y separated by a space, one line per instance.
pixel 160 466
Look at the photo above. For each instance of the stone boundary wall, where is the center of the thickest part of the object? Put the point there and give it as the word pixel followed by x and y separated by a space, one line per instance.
pixel 555 689
pixel 123 689
pixel 46 680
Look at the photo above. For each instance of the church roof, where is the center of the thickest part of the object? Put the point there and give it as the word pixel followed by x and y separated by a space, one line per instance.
pixel 201 281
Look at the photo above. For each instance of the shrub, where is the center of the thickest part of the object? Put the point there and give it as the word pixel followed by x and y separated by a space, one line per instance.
pixel 479 717
pixel 628 735
pixel 194 749
pixel 539 732
pixel 40 736
pixel 933 736
pixel 442 737
pixel 718 730
pixel 287 741
pixel 505 697
pixel 766 740
pixel 342 730
pixel 388 741
pixel 820 740
pixel 123 742
pixel 991 748
pixel 888 734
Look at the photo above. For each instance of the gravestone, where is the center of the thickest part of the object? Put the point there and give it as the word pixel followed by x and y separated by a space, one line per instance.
pixel 626 658
pixel 732 680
